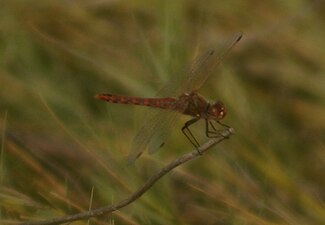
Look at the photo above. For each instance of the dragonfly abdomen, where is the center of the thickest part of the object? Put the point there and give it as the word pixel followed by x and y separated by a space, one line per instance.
pixel 164 103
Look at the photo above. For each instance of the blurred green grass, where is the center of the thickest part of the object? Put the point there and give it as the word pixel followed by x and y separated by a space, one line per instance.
pixel 58 142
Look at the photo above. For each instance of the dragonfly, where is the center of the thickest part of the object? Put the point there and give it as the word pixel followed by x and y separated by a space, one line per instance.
pixel 153 133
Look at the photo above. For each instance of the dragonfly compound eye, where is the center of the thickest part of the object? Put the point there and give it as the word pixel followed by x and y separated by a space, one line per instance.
pixel 218 111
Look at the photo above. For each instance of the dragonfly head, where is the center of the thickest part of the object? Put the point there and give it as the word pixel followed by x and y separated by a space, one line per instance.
pixel 217 111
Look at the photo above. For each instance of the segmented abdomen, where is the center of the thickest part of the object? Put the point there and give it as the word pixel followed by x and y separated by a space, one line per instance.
pixel 164 103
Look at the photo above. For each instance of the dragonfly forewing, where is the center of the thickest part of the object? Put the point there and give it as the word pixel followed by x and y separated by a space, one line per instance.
pixel 202 66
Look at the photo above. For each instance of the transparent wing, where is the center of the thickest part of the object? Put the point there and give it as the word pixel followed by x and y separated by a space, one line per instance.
pixel 153 133
pixel 202 66
pixel 199 70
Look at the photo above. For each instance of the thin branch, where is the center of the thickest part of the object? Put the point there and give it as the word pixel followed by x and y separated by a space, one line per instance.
pixel 225 134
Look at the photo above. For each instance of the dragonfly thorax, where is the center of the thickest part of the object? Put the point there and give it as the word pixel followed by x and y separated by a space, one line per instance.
pixel 216 111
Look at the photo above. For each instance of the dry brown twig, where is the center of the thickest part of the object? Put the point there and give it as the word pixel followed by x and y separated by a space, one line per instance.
pixel 225 134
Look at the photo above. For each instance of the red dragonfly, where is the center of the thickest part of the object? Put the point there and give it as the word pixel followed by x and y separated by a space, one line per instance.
pixel 153 132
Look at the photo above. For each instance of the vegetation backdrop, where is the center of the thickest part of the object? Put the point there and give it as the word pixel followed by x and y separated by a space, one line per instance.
pixel 63 152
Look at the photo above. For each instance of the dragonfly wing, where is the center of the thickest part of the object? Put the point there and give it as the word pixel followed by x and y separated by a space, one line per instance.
pixel 152 134
pixel 161 135
pixel 202 66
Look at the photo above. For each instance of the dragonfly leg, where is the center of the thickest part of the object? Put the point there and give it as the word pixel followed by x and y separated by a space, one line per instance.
pixel 190 135
pixel 211 124
pixel 214 132
pixel 222 124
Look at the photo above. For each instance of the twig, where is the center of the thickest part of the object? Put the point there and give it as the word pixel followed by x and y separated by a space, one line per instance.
pixel 145 187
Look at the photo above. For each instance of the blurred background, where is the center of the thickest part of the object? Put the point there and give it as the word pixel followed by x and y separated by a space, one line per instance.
pixel 63 152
